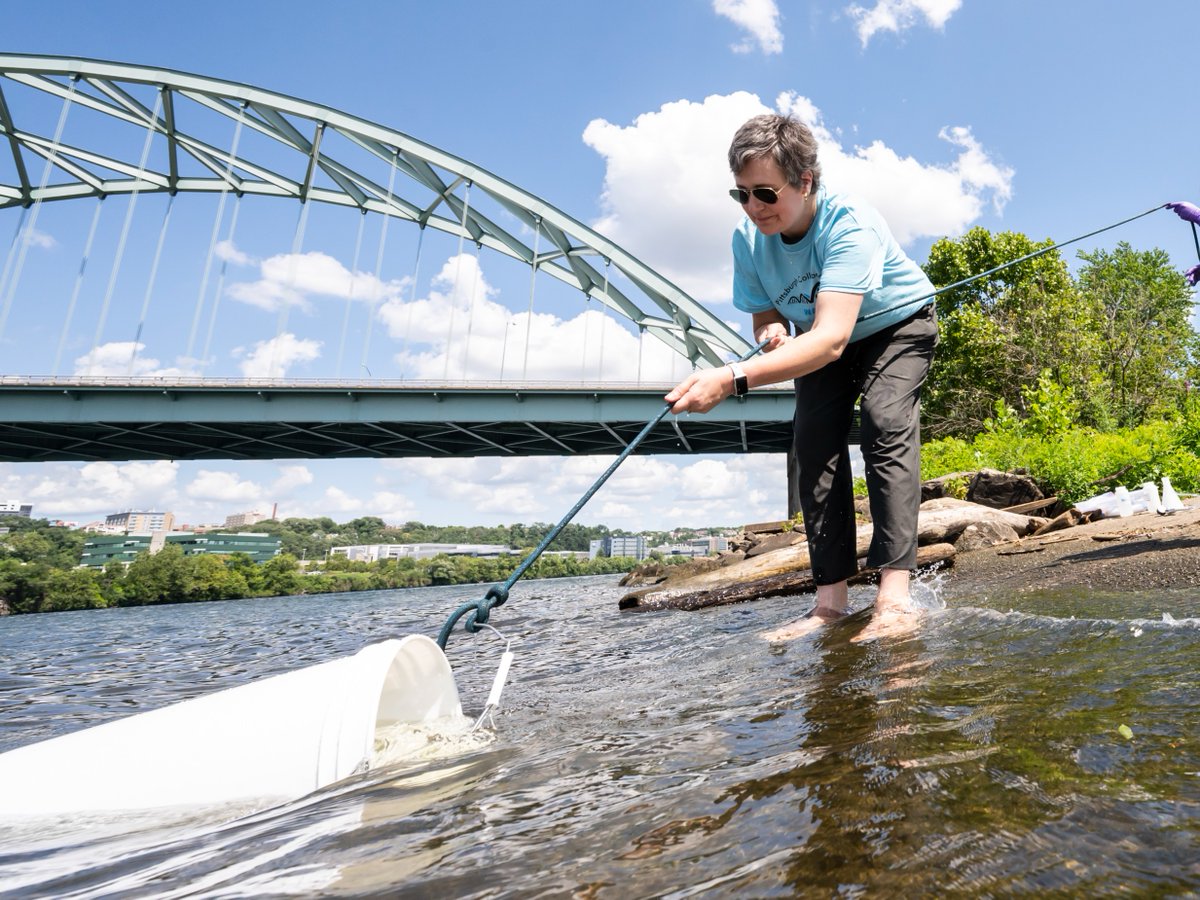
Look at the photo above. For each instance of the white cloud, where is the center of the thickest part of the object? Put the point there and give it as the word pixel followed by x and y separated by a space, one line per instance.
pixel 39 239
pixel 392 507
pixel 759 18
pixel 224 487
pixel 272 358
pixel 646 492
pixel 290 478
pixel 289 279
pixel 63 490
pixel 666 185
pixel 336 500
pixel 227 251
pixel 711 479
pixel 124 359
pixel 460 331
pixel 666 188
pixel 900 15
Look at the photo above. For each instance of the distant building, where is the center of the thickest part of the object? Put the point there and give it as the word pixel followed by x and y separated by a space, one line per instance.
pixel 709 546
pixel 695 547
pixel 258 546
pixel 102 549
pixel 375 552
pixel 132 521
pixel 16 508
pixel 619 545
pixel 246 518
pixel 124 548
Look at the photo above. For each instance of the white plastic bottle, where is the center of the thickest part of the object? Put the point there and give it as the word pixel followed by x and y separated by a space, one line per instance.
pixel 1170 500
pixel 1124 504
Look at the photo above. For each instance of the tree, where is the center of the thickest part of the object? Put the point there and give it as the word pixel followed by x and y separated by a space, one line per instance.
pixel 280 575
pixel 1001 331
pixel 71 589
pixel 162 577
pixel 1146 341
pixel 213 579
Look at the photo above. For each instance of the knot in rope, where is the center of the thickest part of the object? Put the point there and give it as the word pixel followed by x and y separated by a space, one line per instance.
pixel 497 595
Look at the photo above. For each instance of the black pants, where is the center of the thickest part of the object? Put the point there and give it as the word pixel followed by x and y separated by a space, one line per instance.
pixel 884 372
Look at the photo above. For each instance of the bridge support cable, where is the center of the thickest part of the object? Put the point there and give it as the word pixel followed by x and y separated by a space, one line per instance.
pixel 383 234
pixel 471 316
pixel 162 236
pixel 289 285
pixel 122 241
pixel 466 210
pixel 79 276
pixel 412 299
pixel 358 237
pixel 31 222
pixel 226 185
pixel 230 235
pixel 603 325
pixel 13 246
pixel 534 265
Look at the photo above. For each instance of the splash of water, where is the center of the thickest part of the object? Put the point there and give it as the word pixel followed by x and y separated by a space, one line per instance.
pixel 439 739
pixel 927 589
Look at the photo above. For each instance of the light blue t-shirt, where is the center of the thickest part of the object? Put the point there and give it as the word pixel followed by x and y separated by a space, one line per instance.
pixel 848 248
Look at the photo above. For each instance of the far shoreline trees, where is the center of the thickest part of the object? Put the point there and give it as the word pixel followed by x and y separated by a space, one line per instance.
pixel 39 564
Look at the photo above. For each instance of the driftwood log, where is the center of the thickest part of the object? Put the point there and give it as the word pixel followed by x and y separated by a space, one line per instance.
pixel 787 570
pixel 797 581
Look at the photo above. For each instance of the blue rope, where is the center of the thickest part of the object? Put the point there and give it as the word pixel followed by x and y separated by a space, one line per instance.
pixel 1020 259
pixel 498 593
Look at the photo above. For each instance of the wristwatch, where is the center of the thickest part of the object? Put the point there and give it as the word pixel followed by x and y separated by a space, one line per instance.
pixel 741 384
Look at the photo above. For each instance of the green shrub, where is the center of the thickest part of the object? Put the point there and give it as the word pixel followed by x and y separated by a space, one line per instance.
pixel 1078 463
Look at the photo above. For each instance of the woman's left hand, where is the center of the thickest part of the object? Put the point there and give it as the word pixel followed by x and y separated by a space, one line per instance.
pixel 701 390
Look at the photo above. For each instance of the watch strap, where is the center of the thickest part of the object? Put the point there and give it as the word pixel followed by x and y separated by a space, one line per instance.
pixel 741 384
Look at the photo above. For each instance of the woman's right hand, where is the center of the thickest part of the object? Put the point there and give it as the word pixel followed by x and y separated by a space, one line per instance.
pixel 775 333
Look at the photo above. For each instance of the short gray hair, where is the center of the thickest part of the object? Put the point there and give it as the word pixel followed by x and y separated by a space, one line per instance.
pixel 784 139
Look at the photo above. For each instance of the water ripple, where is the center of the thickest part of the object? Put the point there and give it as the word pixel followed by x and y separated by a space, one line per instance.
pixel 1014 745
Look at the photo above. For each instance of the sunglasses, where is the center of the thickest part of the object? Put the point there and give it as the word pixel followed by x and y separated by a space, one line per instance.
pixel 769 196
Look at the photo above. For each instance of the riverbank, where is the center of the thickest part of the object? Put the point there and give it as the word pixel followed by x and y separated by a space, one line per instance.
pixel 982 550
pixel 1145 551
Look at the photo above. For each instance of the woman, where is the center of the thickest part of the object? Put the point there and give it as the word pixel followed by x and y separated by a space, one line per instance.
pixel 827 266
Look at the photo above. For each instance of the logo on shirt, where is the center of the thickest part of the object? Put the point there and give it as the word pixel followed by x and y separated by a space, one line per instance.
pixel 800 297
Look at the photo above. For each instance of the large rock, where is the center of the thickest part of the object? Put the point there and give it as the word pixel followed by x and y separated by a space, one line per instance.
pixel 772 542
pixel 1000 490
pixel 942 521
pixel 983 535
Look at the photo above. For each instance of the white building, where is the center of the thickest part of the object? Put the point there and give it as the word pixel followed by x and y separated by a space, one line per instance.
pixel 619 545
pixel 132 521
pixel 16 508
pixel 375 552
pixel 246 518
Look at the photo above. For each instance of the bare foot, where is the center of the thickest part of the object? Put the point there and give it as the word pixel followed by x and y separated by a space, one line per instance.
pixel 807 624
pixel 893 620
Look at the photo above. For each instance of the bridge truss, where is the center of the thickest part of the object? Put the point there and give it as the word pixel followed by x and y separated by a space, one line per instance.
pixel 156 137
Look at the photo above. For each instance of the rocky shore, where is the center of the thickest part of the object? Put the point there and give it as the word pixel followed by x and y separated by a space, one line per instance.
pixel 1144 551
pixel 991 545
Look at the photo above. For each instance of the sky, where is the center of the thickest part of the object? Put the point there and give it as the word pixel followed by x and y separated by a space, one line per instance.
pixel 1051 119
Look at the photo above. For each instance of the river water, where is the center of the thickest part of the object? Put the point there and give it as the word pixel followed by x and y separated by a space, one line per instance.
pixel 664 754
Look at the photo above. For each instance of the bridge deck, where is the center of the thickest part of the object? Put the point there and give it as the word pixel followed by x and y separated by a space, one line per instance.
pixel 57 419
